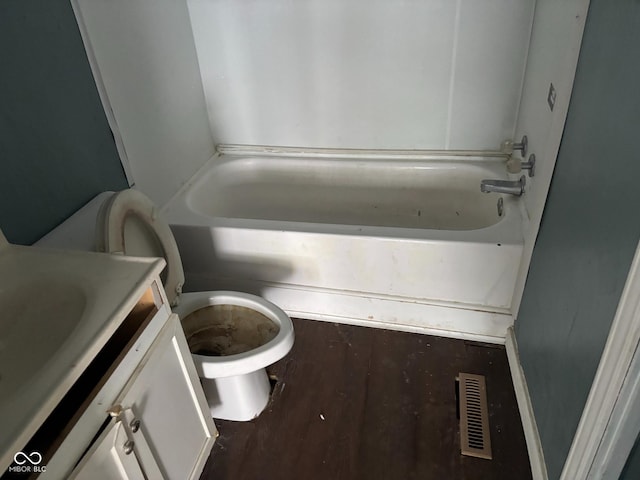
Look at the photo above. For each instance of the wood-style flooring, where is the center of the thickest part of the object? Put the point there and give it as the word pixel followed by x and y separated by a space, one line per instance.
pixel 363 403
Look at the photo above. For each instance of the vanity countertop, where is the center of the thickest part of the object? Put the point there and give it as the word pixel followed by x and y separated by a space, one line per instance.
pixel 57 310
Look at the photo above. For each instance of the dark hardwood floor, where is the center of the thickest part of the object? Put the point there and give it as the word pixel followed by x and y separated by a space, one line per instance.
pixel 363 403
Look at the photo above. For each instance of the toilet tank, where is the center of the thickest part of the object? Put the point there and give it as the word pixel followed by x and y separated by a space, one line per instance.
pixel 78 231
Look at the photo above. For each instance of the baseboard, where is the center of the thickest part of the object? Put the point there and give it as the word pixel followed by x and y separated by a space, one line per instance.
pixel 369 310
pixel 534 447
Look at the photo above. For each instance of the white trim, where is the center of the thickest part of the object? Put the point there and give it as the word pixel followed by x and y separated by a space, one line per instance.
pixel 369 310
pixel 102 92
pixel 623 428
pixel 531 435
pixel 606 421
pixel 4 243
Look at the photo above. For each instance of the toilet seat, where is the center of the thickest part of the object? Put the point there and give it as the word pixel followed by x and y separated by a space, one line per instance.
pixel 128 223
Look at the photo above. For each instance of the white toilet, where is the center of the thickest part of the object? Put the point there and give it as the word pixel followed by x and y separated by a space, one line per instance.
pixel 233 336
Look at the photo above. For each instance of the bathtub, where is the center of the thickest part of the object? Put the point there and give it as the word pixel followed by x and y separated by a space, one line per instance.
pixel 403 241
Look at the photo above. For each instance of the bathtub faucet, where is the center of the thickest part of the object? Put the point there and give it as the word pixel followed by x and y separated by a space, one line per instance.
pixel 515 187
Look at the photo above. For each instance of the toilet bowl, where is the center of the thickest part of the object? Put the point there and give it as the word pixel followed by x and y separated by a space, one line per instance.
pixel 233 336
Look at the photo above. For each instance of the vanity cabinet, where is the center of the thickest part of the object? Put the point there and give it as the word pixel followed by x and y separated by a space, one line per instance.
pixel 137 411
pixel 160 426
pixel 97 380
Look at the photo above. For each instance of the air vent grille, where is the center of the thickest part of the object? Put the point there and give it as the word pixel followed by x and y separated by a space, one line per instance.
pixel 474 416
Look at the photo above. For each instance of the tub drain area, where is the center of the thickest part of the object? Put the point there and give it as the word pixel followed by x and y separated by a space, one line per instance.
pixel 220 330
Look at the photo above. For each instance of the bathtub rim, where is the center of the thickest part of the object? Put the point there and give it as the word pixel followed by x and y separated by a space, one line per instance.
pixel 509 230
pixel 504 233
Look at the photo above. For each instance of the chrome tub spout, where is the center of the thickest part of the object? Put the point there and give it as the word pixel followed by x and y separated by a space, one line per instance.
pixel 515 187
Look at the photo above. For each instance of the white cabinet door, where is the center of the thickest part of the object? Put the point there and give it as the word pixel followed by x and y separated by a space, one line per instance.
pixel 162 427
pixel 165 402
pixel 110 458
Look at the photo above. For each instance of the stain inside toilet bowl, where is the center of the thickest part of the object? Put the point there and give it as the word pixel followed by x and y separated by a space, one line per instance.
pixel 220 330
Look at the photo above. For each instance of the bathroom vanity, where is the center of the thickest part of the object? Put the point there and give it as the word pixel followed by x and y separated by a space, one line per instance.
pixel 96 378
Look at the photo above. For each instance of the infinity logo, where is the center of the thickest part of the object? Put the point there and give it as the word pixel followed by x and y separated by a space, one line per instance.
pixel 34 458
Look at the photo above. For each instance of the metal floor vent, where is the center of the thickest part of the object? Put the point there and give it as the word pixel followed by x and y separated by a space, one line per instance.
pixel 474 416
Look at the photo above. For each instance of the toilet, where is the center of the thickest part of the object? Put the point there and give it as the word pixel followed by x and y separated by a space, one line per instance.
pixel 233 336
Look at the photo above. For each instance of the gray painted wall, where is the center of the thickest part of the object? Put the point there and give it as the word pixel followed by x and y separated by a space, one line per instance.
pixel 56 148
pixel 632 468
pixel 589 230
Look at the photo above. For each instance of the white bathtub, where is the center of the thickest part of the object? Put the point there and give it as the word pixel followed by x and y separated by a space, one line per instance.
pixel 403 243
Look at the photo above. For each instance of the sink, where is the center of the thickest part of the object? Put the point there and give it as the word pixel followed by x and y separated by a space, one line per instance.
pixel 57 310
pixel 38 315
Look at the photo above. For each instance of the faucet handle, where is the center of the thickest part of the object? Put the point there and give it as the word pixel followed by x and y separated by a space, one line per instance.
pixel 530 165
pixel 516 165
pixel 522 146
pixel 509 146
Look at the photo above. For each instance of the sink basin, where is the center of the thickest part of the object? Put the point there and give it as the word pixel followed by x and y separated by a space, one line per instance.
pixel 57 311
pixel 39 316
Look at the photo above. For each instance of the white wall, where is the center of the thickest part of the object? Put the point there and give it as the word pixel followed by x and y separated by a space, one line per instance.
pixel 432 74
pixel 553 56
pixel 144 60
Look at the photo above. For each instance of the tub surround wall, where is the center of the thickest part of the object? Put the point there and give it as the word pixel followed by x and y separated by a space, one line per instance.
pixel 435 74
pixel 380 75
pixel 56 149
pixel 144 55
pixel 181 76
pixel 552 59
pixel 589 231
